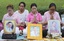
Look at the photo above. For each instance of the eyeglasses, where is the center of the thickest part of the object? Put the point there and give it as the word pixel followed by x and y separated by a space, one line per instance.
pixel 52 9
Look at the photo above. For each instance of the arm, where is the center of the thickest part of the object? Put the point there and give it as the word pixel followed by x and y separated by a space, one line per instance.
pixel 27 13
pixel 58 18
pixel 44 21
pixel 3 19
pixel 40 18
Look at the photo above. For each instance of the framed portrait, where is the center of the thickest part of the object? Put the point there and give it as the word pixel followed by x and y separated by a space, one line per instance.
pixel 9 26
pixel 54 28
pixel 34 31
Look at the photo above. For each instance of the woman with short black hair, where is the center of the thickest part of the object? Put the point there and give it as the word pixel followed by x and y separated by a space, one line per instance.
pixel 51 14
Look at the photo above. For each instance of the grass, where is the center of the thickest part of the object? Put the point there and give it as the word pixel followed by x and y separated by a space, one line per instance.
pixel 42 4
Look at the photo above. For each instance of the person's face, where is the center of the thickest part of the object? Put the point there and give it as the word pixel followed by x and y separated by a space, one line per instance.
pixel 34 9
pixel 54 24
pixel 21 7
pixel 10 25
pixel 52 9
pixel 10 10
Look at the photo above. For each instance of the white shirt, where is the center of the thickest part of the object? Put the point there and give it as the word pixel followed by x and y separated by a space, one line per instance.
pixel 23 15
pixel 9 29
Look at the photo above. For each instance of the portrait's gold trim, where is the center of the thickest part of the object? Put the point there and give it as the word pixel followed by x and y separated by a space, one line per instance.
pixel 14 23
pixel 28 31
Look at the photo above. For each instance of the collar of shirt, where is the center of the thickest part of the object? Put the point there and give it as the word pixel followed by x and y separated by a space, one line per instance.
pixel 10 16
pixel 33 14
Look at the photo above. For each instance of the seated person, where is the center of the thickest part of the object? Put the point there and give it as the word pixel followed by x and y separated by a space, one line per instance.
pixel 52 14
pixel 10 16
pixel 33 17
pixel 22 14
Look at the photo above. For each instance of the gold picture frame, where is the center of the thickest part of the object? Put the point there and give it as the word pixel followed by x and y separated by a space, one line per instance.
pixel 29 31
pixel 11 24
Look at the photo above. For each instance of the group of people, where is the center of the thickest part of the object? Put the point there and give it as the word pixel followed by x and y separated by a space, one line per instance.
pixel 22 17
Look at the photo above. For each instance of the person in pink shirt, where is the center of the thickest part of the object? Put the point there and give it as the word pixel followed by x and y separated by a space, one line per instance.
pixel 52 14
pixel 10 16
pixel 33 17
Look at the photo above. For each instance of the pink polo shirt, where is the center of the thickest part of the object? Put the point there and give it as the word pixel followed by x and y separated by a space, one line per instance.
pixel 13 17
pixel 31 17
pixel 47 17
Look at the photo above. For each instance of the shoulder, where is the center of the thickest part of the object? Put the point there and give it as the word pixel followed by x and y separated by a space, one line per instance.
pixel 39 13
pixel 56 12
pixel 46 12
pixel 26 10
pixel 6 15
pixel 15 15
pixel 16 12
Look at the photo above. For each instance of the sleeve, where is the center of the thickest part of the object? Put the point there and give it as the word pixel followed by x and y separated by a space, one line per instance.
pixel 3 18
pixel 28 18
pixel 58 17
pixel 40 17
pixel 26 15
pixel 17 20
pixel 44 18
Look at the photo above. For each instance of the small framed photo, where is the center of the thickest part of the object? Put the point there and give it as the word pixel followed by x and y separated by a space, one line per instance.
pixel 54 26
pixel 34 31
pixel 9 26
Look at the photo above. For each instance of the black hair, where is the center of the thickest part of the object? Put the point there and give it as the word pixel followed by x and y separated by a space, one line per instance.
pixel 52 4
pixel 22 3
pixel 33 4
pixel 10 6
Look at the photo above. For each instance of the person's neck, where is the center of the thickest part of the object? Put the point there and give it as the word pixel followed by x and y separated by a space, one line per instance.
pixel 21 11
pixel 51 13
pixel 10 14
pixel 34 12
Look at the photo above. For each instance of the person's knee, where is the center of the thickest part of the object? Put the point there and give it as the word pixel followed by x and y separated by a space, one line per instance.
pixel 25 31
pixel 17 30
pixel 62 33
pixel 44 33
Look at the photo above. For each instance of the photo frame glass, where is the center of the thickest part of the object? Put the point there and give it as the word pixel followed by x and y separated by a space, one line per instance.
pixel 54 26
pixel 34 31
pixel 9 26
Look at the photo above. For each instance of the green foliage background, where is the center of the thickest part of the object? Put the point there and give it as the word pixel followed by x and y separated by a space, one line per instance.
pixel 42 5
